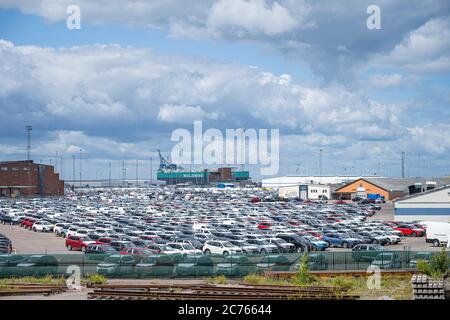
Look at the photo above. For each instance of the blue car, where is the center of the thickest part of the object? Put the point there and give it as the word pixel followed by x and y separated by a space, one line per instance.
pixel 340 240
pixel 315 244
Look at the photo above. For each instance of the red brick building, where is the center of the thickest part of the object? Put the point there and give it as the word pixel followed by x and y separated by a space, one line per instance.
pixel 28 179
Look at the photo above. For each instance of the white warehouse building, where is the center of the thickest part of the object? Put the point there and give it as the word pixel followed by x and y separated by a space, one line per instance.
pixel 305 192
pixel 432 205
pixel 298 180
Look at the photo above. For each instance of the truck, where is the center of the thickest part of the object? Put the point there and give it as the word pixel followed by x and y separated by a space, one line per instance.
pixel 437 233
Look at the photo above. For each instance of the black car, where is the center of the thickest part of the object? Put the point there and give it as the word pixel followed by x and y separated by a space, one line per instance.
pixel 5 219
pixel 300 244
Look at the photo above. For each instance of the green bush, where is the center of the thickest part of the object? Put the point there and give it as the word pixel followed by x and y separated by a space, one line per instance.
pixel 303 276
pixel 96 278
pixel 437 267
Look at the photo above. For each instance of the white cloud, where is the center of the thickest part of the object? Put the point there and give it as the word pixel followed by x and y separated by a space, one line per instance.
pixel 386 80
pixel 424 50
pixel 250 17
pixel 184 114
pixel 111 101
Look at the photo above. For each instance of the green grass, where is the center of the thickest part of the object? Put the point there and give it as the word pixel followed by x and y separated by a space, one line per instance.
pixel 217 280
pixel 262 280
pixel 396 287
pixel 96 278
pixel 35 280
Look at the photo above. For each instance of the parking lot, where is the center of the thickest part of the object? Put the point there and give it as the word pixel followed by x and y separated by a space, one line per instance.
pixel 26 241
pixel 170 216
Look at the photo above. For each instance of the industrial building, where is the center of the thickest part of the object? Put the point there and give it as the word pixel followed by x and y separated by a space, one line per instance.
pixel 26 178
pixel 387 188
pixel 286 181
pixel 431 205
pixel 305 192
pixel 173 174
pixel 204 177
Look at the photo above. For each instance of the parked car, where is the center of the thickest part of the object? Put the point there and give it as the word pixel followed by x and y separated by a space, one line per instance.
pixel 237 265
pixel 282 245
pixel 137 253
pixel 315 244
pixel 78 243
pixel 410 230
pixel 340 240
pixel 220 247
pixel 366 252
pixel 157 266
pixel 185 248
pixel 300 244
pixel 274 263
pixel 117 265
pixel 195 266
pixel 37 265
pixel 421 255
pixel 387 260
pixel 8 262
pixel 42 226
pixel 100 249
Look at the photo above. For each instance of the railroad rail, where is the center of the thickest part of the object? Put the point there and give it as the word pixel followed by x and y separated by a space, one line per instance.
pixel 18 289
pixel 209 292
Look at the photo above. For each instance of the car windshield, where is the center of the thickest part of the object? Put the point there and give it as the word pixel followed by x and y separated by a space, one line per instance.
pixel 423 256
pixel 113 259
pixel 86 239
pixel 3 258
pixel 227 244
pixel 34 259
pixel 187 247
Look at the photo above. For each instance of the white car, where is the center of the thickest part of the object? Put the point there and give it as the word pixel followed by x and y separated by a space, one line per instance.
pixel 71 231
pixel 42 226
pixel 220 247
pixel 185 248
pixel 82 232
pixel 58 227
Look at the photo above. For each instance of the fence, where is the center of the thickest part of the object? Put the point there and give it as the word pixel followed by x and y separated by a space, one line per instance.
pixel 178 265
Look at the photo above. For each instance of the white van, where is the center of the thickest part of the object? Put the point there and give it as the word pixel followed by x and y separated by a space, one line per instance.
pixel 437 233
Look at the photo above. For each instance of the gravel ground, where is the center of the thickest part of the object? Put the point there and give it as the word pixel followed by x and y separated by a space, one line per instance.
pixel 26 241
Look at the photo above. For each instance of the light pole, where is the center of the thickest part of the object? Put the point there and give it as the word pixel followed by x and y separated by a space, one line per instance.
pixel 29 128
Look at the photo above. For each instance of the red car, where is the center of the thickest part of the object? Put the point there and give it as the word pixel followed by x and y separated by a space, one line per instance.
pixel 410 230
pixel 104 240
pixel 340 202
pixel 264 225
pixel 27 223
pixel 78 243
pixel 137 253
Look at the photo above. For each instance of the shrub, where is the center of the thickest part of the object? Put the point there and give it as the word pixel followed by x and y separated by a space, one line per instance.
pixel 97 278
pixel 303 275
pixel 437 267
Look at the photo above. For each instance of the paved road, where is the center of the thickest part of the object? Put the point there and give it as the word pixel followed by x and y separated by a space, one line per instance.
pixel 26 241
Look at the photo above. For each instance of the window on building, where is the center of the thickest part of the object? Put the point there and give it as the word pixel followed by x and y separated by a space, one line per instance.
pixel 4 169
pixel 26 169
pixel 15 169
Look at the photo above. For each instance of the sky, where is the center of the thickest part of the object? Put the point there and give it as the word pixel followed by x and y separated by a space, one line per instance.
pixel 137 70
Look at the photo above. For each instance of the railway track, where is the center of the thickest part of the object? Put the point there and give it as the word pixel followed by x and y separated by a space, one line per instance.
pixel 19 289
pixel 205 292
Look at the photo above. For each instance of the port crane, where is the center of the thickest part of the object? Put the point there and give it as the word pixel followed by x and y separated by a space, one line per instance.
pixel 164 164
